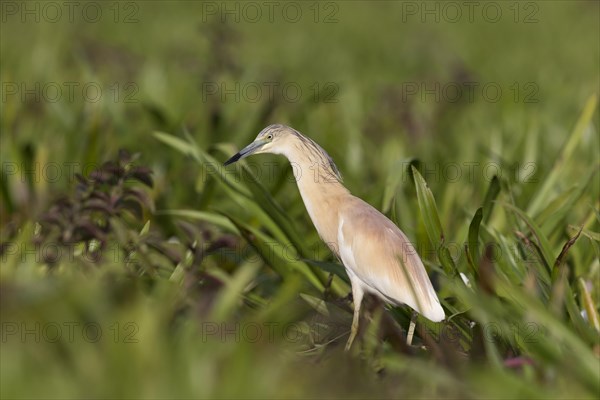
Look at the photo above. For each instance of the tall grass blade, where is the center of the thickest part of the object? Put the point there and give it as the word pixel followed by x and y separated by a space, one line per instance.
pixel 541 241
pixel 565 156
pixel 431 219
pixel 428 209
pixel 588 304
pixel 490 197
pixel 473 245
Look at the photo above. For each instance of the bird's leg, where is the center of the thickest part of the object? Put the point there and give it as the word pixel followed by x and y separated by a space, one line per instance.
pixel 357 294
pixel 411 328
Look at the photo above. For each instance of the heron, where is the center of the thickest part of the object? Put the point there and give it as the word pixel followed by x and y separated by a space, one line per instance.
pixel 377 256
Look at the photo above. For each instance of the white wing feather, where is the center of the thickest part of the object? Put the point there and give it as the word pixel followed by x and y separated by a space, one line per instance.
pixel 376 252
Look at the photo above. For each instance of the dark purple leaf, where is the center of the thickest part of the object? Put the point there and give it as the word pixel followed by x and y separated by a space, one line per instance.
pixel 98 205
pixel 139 195
pixel 86 230
pixel 142 174
pixel 133 206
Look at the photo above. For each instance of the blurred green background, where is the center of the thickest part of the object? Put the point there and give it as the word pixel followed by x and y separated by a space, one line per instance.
pixel 163 274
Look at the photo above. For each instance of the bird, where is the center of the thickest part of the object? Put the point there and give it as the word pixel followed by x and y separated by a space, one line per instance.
pixel 378 257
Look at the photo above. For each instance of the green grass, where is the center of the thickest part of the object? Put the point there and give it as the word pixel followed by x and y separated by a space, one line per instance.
pixel 212 282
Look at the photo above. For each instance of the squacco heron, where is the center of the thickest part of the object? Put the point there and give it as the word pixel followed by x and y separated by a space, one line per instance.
pixel 378 257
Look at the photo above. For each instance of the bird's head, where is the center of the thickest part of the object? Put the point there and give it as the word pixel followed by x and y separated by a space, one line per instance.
pixel 273 139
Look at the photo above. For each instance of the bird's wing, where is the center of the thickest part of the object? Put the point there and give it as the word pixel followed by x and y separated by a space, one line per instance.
pixel 377 252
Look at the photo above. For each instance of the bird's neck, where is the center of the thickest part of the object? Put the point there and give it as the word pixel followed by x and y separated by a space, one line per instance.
pixel 322 192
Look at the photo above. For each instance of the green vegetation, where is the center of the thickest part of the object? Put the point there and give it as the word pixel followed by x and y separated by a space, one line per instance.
pixel 154 272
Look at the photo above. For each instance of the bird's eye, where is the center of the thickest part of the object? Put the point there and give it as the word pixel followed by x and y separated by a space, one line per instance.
pixel 270 137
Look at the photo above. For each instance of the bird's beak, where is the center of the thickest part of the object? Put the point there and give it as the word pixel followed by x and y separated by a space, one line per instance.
pixel 246 151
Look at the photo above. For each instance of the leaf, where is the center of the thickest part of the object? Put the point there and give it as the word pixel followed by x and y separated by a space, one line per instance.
pixel 588 304
pixel 178 144
pixel 487 271
pixel 558 208
pixel 561 335
pixel 133 206
pixel 317 304
pixel 276 254
pixel 228 297
pixel 541 240
pixel 393 181
pixel 431 219
pixel 490 197
pixel 428 209
pixel 215 169
pixel 139 195
pixel 473 244
pixel 565 156
pixel 145 228
pixel 206 216
pixel 143 175
pixel 98 205
pixel 587 233
pixel 446 260
pixel 585 331
pixel 561 257
pixel 331 267
pixel 85 230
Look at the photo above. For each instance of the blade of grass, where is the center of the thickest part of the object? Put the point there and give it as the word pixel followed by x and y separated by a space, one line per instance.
pixel 490 197
pixel 431 219
pixel 473 246
pixel 565 156
pixel 212 166
pixel 588 304
pixel 393 181
pixel 206 216
pixel 332 267
pixel 227 298
pixel 428 209
pixel 541 240
pixel 586 368
pixel 275 254
pixel 589 234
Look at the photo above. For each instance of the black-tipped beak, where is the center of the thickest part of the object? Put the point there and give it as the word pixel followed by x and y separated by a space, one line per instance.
pixel 233 159
pixel 245 152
